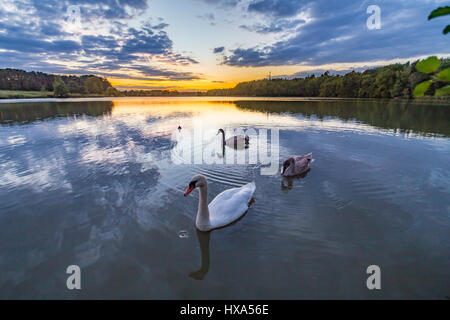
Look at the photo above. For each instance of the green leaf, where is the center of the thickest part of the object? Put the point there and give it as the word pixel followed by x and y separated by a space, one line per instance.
pixel 444 75
pixel 446 30
pixel 421 88
pixel 428 65
pixel 445 91
pixel 441 11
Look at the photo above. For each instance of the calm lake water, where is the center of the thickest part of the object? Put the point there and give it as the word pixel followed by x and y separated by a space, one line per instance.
pixel 98 184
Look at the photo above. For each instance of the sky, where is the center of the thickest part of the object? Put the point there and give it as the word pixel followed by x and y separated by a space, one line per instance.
pixel 205 44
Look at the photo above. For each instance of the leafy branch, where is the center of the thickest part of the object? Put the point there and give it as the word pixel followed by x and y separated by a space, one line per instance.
pixel 441 11
pixel 431 65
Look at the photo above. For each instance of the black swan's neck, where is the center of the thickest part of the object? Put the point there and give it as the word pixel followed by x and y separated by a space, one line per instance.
pixel 223 136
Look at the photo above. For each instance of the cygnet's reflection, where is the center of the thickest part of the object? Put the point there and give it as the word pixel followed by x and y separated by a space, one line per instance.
pixel 287 183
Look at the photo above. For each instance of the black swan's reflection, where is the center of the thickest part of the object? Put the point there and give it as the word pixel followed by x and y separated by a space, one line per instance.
pixel 203 239
pixel 288 182
pixel 223 152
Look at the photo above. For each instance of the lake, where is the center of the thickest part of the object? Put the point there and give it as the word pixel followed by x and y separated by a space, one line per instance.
pixel 99 183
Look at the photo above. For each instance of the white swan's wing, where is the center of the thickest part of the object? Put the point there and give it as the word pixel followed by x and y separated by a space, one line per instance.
pixel 230 205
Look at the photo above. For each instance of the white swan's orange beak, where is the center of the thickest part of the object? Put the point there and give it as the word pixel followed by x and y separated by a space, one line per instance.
pixel 189 190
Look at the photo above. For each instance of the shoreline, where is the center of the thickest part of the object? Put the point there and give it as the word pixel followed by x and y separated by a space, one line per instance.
pixel 426 100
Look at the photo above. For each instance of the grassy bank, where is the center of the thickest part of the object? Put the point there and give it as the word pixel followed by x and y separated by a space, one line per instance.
pixel 13 94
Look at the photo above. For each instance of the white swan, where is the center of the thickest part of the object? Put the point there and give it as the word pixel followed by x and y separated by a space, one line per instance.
pixel 225 208
pixel 237 142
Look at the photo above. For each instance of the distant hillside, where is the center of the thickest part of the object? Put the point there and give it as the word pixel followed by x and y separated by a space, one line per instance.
pixel 20 80
pixel 392 81
pixel 16 83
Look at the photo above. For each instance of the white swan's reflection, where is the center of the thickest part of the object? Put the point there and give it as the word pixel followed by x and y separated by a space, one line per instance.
pixel 203 239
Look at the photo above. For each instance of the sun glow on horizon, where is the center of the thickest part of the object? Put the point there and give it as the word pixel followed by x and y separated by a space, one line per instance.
pixel 231 76
pixel 185 46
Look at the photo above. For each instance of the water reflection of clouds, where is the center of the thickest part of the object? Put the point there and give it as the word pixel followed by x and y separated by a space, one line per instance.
pixel 17 140
pixel 114 155
pixel 13 140
pixel 440 180
pixel 106 145
pixel 36 173
pixel 116 180
pixel 86 127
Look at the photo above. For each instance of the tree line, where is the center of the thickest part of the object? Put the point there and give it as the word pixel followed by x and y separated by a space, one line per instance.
pixel 64 86
pixel 391 81
pixel 20 80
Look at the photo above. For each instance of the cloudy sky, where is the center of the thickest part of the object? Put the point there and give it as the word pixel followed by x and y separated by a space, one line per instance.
pixel 203 44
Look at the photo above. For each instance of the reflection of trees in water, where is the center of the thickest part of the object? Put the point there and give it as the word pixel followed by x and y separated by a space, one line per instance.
pixel 424 119
pixel 29 112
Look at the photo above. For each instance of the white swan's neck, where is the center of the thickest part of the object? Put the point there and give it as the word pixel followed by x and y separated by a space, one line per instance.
pixel 203 211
